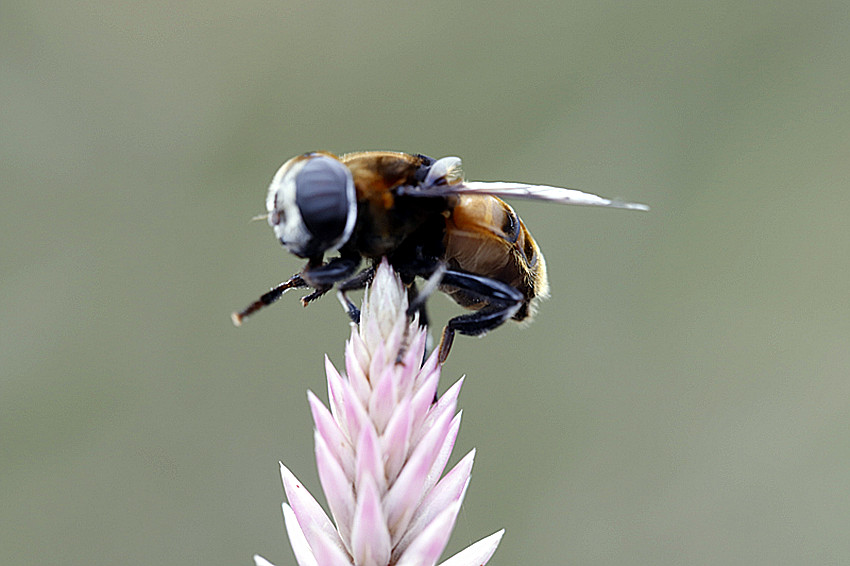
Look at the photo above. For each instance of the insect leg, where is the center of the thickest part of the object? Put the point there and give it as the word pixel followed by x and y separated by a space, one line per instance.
pixel 501 302
pixel 416 304
pixel 322 277
pixel 317 292
pixel 294 282
pixel 334 271
pixel 359 281
pixel 417 299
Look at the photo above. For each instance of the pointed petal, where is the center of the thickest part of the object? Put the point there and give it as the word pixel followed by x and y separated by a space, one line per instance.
pixel 422 400
pixel 385 351
pixel 370 539
pixel 384 395
pixel 429 545
pixel 377 362
pixel 356 360
pixel 370 331
pixel 416 348
pixel 356 415
pixel 446 403
pixel 449 490
pixel 332 435
pixel 477 554
pixel 303 553
pixel 338 489
pixel 335 395
pixel 369 461
pixel 347 411
pixel 395 441
pixel 311 517
pixel 408 368
pixel 260 561
pixel 327 552
pixel 403 497
pixel 430 365
pixel 443 455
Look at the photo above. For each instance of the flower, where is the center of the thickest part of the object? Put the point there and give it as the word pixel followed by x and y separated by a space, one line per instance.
pixel 382 444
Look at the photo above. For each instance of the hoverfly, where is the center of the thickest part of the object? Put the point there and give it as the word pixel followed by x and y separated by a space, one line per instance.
pixel 428 222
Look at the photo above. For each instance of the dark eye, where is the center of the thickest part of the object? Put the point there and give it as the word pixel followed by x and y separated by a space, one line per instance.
pixel 324 195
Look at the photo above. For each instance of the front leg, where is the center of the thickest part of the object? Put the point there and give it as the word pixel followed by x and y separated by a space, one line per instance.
pixel 323 277
pixel 319 275
pixel 359 281
pixel 294 282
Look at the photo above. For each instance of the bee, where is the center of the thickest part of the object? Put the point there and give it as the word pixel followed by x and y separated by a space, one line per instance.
pixel 419 213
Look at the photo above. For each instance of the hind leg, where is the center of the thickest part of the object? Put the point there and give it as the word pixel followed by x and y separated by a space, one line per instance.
pixel 501 302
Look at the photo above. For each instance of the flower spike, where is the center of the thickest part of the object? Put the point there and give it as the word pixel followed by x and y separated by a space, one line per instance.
pixel 382 443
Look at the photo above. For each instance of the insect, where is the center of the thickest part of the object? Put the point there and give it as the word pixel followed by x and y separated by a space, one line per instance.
pixel 420 214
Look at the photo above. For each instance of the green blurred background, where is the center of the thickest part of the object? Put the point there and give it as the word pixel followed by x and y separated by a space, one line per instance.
pixel 683 397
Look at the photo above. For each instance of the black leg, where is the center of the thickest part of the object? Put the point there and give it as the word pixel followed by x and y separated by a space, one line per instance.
pixel 294 282
pixel 331 272
pixel 416 299
pixel 416 304
pixel 359 281
pixel 317 292
pixel 500 300
pixel 321 277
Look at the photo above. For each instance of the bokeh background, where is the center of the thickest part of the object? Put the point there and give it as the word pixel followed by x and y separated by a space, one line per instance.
pixel 683 397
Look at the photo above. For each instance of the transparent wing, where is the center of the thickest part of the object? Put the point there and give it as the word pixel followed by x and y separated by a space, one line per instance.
pixel 540 192
pixel 445 178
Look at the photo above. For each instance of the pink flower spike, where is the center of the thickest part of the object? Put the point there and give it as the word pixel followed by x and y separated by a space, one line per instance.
pixel 477 554
pixel 370 539
pixel 382 444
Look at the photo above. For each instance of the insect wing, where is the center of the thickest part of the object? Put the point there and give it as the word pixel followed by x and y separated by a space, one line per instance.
pixel 445 177
pixel 539 192
pixel 440 187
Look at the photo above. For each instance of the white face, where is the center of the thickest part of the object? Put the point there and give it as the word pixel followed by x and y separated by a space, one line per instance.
pixel 284 216
pixel 334 186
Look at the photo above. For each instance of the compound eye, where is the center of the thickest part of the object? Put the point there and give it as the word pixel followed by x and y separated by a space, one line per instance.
pixel 324 195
